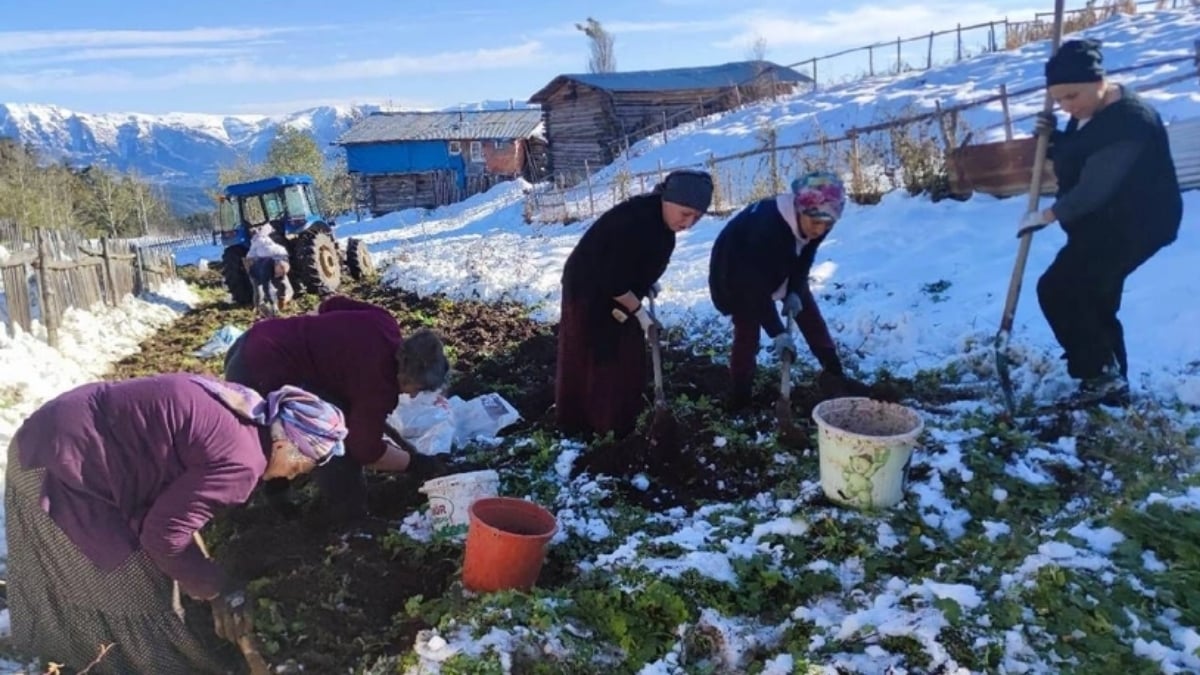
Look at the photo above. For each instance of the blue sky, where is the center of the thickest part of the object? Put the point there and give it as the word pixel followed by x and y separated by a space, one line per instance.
pixel 219 56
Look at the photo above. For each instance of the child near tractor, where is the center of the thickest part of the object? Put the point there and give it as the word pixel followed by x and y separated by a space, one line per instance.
pixel 268 266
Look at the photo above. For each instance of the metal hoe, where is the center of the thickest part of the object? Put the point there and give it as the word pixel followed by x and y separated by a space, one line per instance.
pixel 1035 191
pixel 783 407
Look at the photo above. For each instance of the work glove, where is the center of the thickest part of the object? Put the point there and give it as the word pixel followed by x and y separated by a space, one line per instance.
pixel 1045 123
pixel 791 305
pixel 655 289
pixel 1031 222
pixel 783 344
pixel 231 613
pixel 645 320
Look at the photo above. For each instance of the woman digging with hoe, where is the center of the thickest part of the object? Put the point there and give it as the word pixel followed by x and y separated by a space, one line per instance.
pixel 601 373
pixel 763 255
pixel 108 486
pixel 1118 202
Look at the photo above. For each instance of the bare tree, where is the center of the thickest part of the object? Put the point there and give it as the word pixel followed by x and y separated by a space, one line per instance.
pixel 758 49
pixel 760 86
pixel 603 59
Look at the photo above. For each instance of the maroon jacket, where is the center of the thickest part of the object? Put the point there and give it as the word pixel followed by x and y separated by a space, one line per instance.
pixel 142 464
pixel 345 354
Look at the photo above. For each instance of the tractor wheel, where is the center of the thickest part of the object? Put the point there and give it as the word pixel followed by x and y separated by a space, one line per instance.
pixel 317 262
pixel 358 260
pixel 237 280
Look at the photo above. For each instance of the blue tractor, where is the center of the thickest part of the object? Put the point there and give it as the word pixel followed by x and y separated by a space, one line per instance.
pixel 289 204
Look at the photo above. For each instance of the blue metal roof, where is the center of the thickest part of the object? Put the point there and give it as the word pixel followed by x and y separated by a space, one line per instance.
pixel 676 79
pixel 390 127
pixel 262 185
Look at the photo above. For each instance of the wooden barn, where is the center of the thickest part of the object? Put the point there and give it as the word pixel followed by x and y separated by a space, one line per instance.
pixel 592 117
pixel 401 160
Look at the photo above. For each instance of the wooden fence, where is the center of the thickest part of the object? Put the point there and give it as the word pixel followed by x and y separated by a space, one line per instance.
pixel 869 155
pixel 54 270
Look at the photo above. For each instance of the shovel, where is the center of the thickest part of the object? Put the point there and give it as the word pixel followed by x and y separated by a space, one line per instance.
pixel 663 424
pixel 783 407
pixel 1035 191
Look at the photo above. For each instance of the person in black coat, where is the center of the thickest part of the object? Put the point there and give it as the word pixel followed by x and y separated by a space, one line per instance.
pixel 601 370
pixel 1118 201
pixel 764 254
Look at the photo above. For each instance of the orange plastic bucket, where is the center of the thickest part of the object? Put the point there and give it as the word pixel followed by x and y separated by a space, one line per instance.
pixel 506 544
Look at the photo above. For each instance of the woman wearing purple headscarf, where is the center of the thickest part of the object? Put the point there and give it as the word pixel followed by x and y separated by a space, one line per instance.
pixel 764 255
pixel 107 487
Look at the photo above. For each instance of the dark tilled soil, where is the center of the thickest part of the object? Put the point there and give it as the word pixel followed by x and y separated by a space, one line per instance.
pixel 330 597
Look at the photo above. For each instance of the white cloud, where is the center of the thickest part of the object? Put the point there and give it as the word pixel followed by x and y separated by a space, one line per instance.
pixel 133 53
pixel 15 42
pixel 862 25
pixel 247 71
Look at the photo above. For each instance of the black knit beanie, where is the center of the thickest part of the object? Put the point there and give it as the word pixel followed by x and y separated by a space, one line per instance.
pixel 690 188
pixel 1076 61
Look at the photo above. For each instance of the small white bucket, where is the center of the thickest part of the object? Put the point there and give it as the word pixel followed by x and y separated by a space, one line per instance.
pixel 451 496
pixel 865 448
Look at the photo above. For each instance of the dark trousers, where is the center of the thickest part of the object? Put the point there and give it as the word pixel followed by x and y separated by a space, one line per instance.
pixel 746 331
pixel 1080 295
pixel 341 481
pixel 262 276
pixel 742 356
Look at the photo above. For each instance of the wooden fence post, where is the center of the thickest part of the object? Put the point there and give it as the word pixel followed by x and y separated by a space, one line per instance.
pixel 661 176
pixel 871 60
pixel 1008 127
pixel 958 32
pixel 664 125
pixel 139 273
pixel 110 283
pixel 591 197
pixel 899 60
pixel 929 53
pixel 46 291
pixel 814 61
pixel 773 160
pixel 855 167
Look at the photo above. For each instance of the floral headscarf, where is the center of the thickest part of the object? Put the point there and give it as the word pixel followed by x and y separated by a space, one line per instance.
pixel 820 192
pixel 315 427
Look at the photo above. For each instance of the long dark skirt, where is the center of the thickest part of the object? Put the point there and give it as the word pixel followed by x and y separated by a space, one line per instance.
pixel 63 608
pixel 599 387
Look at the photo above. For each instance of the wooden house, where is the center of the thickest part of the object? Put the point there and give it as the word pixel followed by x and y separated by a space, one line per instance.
pixel 400 160
pixel 592 117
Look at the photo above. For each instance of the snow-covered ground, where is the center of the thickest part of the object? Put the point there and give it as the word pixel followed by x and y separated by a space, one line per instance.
pixel 906 285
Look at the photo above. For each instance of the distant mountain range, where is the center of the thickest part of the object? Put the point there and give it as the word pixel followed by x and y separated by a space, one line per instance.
pixel 180 151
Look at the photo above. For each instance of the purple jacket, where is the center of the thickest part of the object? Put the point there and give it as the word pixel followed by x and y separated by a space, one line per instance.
pixel 346 355
pixel 142 464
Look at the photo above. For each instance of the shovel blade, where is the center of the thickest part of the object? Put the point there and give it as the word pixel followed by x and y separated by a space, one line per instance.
pixel 1003 372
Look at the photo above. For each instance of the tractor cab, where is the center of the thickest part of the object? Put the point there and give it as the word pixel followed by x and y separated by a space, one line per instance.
pixel 288 203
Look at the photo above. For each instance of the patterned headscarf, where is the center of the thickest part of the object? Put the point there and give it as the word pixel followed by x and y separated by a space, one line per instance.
pixel 820 192
pixel 317 428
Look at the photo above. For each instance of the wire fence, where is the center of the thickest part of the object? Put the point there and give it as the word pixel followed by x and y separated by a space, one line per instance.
pixel 904 54
pixel 904 152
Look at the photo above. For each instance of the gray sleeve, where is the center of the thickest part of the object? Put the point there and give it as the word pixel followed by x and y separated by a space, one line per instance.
pixel 1099 180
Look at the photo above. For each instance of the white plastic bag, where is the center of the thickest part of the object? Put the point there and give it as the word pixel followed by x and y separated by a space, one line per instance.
pixel 219 343
pixel 483 416
pixel 435 425
pixel 425 420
